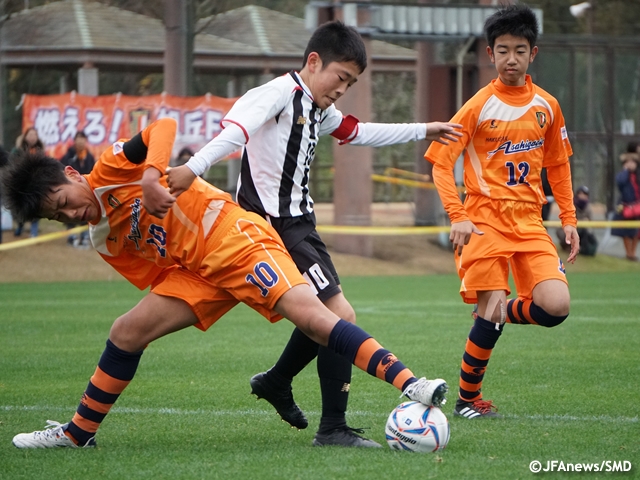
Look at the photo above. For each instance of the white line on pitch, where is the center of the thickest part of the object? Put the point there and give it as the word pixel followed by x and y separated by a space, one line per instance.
pixel 200 411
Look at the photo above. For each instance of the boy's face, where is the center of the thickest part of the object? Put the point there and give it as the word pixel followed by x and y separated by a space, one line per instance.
pixel 512 56
pixel 72 202
pixel 80 143
pixel 328 83
pixel 583 196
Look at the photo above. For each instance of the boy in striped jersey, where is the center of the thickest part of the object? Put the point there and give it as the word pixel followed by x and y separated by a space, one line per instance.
pixel 278 125
pixel 512 129
pixel 201 254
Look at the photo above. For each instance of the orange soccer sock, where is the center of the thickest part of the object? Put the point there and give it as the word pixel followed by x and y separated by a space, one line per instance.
pixel 526 312
pixel 519 311
pixel 482 338
pixel 115 370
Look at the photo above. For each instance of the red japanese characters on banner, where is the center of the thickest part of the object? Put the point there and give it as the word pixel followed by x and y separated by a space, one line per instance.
pixel 107 118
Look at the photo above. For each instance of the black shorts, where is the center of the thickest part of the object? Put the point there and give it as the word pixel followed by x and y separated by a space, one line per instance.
pixel 309 254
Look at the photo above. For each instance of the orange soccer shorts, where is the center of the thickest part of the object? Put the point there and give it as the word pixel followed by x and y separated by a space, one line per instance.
pixel 245 262
pixel 513 236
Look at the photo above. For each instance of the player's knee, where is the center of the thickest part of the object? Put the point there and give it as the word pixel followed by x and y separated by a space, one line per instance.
pixel 123 337
pixel 558 308
pixel 496 310
pixel 339 305
pixel 349 315
pixel 496 317
pixel 552 317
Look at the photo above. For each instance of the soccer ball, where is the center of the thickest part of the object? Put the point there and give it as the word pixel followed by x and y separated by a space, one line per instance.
pixel 415 427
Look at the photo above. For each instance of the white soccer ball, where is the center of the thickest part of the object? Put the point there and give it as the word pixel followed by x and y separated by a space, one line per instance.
pixel 415 427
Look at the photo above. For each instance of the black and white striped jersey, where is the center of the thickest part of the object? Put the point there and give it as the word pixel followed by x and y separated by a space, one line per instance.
pixel 282 124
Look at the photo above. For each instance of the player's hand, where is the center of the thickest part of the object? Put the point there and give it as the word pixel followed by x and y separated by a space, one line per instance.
pixel 179 179
pixel 442 131
pixel 461 234
pixel 155 198
pixel 572 238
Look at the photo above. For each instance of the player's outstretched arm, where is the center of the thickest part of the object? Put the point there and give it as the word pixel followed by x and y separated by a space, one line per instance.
pixel 443 132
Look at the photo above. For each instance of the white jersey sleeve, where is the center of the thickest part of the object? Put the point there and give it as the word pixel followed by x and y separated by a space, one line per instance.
pixel 383 134
pixel 248 114
pixel 226 142
pixel 331 120
pixel 258 106
pixel 349 130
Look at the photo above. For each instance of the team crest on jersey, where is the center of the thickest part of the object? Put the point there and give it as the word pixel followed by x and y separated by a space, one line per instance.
pixel 493 124
pixel 113 201
pixel 301 120
pixel 542 119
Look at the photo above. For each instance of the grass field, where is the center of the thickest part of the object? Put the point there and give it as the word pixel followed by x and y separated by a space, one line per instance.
pixel 567 394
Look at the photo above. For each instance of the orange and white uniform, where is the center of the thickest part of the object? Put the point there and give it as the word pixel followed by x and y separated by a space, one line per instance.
pixel 207 250
pixel 509 135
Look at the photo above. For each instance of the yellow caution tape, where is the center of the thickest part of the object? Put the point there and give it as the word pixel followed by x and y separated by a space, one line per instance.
pixel 423 177
pixel 41 238
pixel 344 230
pixel 409 183
pixel 370 230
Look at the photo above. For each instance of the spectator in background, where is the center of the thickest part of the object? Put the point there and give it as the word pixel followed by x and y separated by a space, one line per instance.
pixel 627 182
pixel 183 157
pixel 80 159
pixel 588 241
pixel 28 142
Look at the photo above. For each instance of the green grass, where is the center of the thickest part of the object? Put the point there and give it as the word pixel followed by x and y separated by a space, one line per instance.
pixel 568 393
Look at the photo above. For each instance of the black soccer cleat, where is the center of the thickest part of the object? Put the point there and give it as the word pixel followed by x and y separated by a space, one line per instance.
pixel 281 399
pixel 477 409
pixel 344 437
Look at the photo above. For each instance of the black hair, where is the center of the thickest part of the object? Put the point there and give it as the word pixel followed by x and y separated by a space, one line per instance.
pixel 185 151
pixel 517 20
pixel 25 146
pixel 28 180
pixel 336 42
pixel 632 147
pixel 80 134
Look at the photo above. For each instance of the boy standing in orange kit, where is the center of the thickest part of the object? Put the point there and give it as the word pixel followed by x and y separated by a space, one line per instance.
pixel 511 130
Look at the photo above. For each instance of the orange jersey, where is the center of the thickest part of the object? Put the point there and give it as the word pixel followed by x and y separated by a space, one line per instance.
pixel 137 244
pixel 509 135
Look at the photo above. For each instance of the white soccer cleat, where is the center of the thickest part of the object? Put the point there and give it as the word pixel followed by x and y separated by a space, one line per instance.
pixel 428 392
pixel 51 437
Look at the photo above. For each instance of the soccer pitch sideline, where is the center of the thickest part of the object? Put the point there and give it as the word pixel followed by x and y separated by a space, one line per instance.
pixel 567 394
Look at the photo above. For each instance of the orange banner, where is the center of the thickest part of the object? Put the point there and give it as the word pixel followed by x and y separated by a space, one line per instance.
pixel 107 118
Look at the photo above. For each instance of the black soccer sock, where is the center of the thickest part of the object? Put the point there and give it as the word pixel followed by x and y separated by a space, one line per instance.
pixel 297 354
pixel 335 381
pixel 482 338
